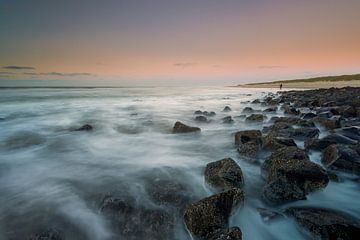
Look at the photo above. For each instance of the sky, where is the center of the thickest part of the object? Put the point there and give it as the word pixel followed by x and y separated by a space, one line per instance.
pixel 173 41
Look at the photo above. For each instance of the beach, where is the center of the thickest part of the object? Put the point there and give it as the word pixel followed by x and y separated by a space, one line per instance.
pixel 304 85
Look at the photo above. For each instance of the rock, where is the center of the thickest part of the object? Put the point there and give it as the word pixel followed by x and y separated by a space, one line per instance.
pixel 207 217
pixel 328 123
pixel 227 109
pixel 309 115
pixel 50 234
pixel 233 233
pixel 270 110
pixel 86 127
pixel 228 119
pixel 256 101
pixel 291 176
pixel 333 177
pixel 201 119
pixel 224 174
pixel 255 118
pixel 209 114
pixel 341 157
pixel 247 110
pixel 291 111
pixel 350 132
pixel 198 112
pixel 246 136
pixel 182 128
pixel 249 142
pixel 334 138
pixel 294 121
pixel 326 224
pixel 347 111
pixel 137 222
pixel 273 143
pixel 301 133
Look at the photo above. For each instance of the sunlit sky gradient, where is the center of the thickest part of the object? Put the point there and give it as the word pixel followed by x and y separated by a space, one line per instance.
pixel 166 41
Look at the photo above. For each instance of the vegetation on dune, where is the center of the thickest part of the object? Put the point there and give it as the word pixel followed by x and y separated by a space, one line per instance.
pixel 351 77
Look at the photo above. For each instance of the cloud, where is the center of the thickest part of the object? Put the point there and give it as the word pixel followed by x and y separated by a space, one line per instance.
pixel 19 67
pixel 271 66
pixel 184 64
pixel 59 74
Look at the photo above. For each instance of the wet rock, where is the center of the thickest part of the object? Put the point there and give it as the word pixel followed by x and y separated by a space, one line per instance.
pixel 224 174
pixel 249 142
pixel 350 132
pixel 137 222
pixel 320 144
pixel 256 101
pixel 347 111
pixel 274 143
pixel 333 177
pixel 255 118
pixel 270 110
pixel 341 157
pixel 291 111
pixel 209 114
pixel 233 233
pixel 227 109
pixel 301 133
pixel 326 224
pixel 50 234
pixel 86 127
pixel 201 119
pixel 328 123
pixel 198 112
pixel 205 218
pixel 291 176
pixel 309 115
pixel 247 110
pixel 182 128
pixel 294 121
pixel 227 119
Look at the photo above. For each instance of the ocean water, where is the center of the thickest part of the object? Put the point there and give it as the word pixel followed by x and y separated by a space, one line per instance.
pixel 51 175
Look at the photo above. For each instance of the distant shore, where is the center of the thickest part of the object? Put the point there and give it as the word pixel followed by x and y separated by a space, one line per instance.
pixel 304 85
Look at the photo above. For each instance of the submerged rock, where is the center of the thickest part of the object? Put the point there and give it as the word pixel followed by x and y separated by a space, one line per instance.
pixel 50 234
pixel 207 217
pixel 201 119
pixel 224 174
pixel 334 138
pixel 326 224
pixel 291 176
pixel 137 222
pixel 228 119
pixel 341 157
pixel 182 128
pixel 247 110
pixel 86 127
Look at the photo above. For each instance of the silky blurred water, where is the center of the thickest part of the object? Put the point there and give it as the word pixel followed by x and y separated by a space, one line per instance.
pixel 53 175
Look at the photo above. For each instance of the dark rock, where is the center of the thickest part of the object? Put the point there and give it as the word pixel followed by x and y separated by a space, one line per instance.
pixel 233 233
pixel 201 119
pixel 320 144
pixel 255 118
pixel 86 127
pixel 227 109
pixel 328 123
pixel 198 112
pixel 136 222
pixel 182 128
pixel 341 157
pixel 224 174
pixel 285 131
pixel 256 101
pixel 347 111
pixel 294 121
pixel 350 132
pixel 249 142
pixel 270 110
pixel 326 224
pixel 291 176
pixel 309 115
pixel 209 114
pixel 207 217
pixel 50 234
pixel 291 111
pixel 273 143
pixel 333 177
pixel 248 110
pixel 228 119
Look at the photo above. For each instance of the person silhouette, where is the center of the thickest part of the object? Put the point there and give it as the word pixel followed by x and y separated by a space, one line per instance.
pixel 280 86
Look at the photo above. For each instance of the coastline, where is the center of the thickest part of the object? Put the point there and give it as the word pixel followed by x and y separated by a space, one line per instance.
pixel 304 85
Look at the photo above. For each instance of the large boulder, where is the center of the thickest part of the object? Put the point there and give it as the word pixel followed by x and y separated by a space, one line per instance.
pixel 224 174
pixel 205 218
pixel 341 157
pixel 326 224
pixel 255 118
pixel 137 222
pixel 182 128
pixel 249 142
pixel 49 234
pixel 291 176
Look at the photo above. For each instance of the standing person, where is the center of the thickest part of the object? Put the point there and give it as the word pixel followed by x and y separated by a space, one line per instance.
pixel 280 86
